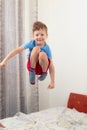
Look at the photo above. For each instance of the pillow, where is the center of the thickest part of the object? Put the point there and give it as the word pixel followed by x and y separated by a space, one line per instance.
pixel 77 101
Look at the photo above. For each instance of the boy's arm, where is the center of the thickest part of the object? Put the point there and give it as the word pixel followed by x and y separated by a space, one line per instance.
pixel 10 55
pixel 52 75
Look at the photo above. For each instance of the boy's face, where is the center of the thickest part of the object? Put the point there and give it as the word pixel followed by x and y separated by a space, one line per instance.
pixel 40 36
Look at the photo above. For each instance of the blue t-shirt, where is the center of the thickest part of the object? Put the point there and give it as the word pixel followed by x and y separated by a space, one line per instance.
pixel 31 44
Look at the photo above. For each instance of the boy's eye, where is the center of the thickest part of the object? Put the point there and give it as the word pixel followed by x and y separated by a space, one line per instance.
pixel 37 35
pixel 42 34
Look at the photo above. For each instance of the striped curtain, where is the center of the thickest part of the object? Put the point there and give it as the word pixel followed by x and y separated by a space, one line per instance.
pixel 16 94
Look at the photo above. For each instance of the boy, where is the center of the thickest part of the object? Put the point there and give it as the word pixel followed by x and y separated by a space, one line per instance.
pixel 40 57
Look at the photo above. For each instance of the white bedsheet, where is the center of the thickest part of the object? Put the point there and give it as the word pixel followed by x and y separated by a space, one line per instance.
pixel 59 118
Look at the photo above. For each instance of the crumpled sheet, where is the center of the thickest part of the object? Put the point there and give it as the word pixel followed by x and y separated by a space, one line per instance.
pixel 59 118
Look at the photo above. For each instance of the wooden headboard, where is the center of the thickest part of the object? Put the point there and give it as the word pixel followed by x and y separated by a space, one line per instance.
pixel 77 101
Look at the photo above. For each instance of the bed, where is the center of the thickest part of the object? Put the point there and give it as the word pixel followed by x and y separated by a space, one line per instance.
pixel 72 117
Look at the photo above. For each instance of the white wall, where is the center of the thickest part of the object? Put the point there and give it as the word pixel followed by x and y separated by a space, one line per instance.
pixel 67 24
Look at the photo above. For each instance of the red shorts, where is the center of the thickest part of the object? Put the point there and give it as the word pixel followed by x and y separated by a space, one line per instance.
pixel 38 68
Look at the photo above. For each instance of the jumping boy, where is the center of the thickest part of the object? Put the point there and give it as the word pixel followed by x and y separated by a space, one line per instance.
pixel 39 58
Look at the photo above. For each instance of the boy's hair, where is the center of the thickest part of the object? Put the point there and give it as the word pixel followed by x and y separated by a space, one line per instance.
pixel 39 25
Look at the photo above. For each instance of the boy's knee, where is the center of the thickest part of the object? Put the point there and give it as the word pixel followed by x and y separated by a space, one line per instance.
pixel 36 49
pixel 42 55
pixel 43 58
pixel 35 52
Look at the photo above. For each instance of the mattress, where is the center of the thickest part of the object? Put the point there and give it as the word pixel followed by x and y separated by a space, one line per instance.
pixel 58 118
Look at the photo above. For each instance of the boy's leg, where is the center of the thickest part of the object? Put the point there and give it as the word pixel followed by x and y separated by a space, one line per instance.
pixel 42 76
pixel 33 60
pixel 44 63
pixel 32 76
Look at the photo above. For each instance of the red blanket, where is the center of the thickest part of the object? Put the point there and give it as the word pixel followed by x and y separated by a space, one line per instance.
pixel 78 101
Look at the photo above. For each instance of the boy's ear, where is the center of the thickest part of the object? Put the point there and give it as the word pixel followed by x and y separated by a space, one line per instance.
pixel 47 35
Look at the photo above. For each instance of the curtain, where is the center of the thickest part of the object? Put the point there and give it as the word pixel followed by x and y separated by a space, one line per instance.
pixel 16 94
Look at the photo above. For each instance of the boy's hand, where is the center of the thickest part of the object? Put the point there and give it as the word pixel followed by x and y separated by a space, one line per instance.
pixel 51 86
pixel 2 64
